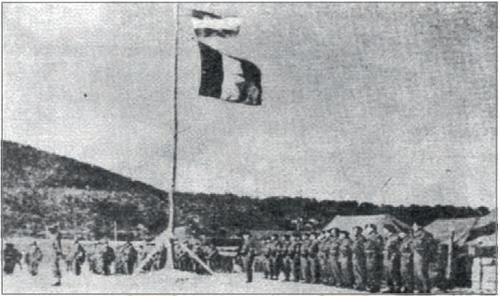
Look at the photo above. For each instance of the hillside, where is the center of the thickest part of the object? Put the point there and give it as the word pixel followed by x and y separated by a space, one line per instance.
pixel 41 188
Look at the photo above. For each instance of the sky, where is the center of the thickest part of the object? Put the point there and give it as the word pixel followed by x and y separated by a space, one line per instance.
pixel 387 103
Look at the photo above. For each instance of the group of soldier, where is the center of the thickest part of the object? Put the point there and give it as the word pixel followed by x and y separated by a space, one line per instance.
pixel 365 261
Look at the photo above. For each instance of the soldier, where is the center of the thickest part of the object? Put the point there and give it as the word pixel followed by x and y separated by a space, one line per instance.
pixel 392 259
pixel 77 256
pixel 374 257
pixel 313 258
pixel 247 254
pixel 323 255
pixel 406 250
pixel 266 251
pixel 359 259
pixel 107 257
pixel 345 259
pixel 304 262
pixel 294 254
pixel 286 260
pixel 55 237
pixel 11 257
pixel 33 258
pixel 273 257
pixel 336 276
pixel 423 252
pixel 438 270
pixel 212 256
pixel 130 255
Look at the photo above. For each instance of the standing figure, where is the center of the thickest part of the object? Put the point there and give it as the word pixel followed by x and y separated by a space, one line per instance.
pixel 304 262
pixel 324 254
pixel 11 256
pixel 77 256
pixel 247 254
pixel 294 254
pixel 273 257
pixel 345 259
pixel 107 257
pixel 374 257
pixel 392 259
pixel 423 251
pixel 313 258
pixel 33 258
pixel 286 260
pixel 336 276
pixel 266 253
pixel 406 250
pixel 131 256
pixel 55 241
pixel 359 259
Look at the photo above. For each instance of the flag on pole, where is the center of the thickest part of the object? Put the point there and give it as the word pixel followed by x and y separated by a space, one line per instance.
pixel 229 78
pixel 208 25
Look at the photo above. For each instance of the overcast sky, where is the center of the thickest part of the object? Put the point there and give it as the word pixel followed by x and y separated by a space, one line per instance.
pixel 387 103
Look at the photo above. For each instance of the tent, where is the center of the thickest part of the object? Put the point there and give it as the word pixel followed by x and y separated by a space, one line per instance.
pixel 484 241
pixel 442 229
pixel 346 223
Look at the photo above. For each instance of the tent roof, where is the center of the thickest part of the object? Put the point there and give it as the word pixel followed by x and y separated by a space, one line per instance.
pixel 441 229
pixel 488 219
pixel 484 241
pixel 346 223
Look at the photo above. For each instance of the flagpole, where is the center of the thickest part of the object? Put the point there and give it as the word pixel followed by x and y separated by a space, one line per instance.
pixel 171 205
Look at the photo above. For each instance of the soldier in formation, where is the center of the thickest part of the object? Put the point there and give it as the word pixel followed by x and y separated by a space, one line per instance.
pixel 363 259
pixel 77 256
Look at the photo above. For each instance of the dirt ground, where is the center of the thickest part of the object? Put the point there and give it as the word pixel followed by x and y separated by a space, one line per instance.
pixel 154 282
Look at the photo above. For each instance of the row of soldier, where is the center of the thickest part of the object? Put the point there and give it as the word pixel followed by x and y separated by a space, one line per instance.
pixel 366 261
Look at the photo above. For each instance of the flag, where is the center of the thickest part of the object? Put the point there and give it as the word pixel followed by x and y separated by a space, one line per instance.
pixel 208 25
pixel 229 78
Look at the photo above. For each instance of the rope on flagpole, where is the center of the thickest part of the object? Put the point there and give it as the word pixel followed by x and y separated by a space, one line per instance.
pixel 171 205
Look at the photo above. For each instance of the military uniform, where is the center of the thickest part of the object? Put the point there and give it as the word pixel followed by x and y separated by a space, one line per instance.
pixel 392 263
pixel 406 250
pixel 336 275
pixel 323 255
pixel 247 254
pixel 11 256
pixel 304 262
pixel 266 251
pixel 287 261
pixel 33 258
pixel 345 257
pixel 58 255
pixel 374 257
pixel 295 256
pixel 273 259
pixel 359 262
pixel 423 251
pixel 107 256
pixel 77 256
pixel 313 261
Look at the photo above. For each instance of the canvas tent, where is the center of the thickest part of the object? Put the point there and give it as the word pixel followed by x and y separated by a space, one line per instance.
pixel 442 230
pixel 346 223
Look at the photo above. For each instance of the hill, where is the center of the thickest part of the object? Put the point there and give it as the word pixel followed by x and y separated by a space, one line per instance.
pixel 41 188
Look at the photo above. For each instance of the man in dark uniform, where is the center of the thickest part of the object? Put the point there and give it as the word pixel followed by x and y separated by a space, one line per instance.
pixel 313 258
pixel 130 255
pixel 406 250
pixel 33 258
pixel 55 238
pixel 294 254
pixel 374 257
pixel 247 254
pixel 304 262
pixel 266 252
pixel 345 259
pixel 11 257
pixel 286 260
pixel 273 257
pixel 359 259
pixel 392 259
pixel 108 256
pixel 323 254
pixel 77 256
pixel 336 277
pixel 423 245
